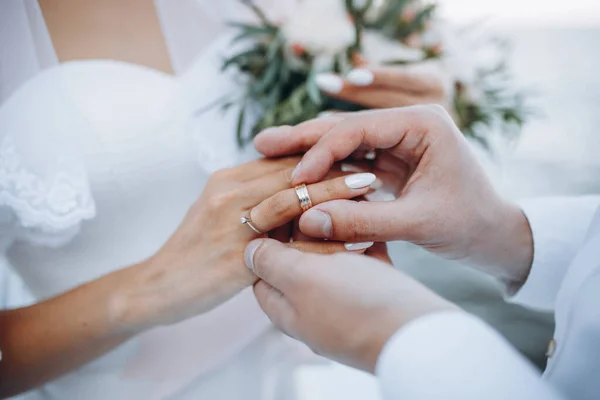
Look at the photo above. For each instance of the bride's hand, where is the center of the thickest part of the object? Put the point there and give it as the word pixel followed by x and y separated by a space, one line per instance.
pixel 202 264
pixel 387 87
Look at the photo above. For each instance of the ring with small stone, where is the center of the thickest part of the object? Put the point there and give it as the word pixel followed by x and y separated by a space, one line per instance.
pixel 245 220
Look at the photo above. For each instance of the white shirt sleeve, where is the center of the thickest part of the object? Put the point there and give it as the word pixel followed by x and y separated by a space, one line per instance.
pixel 453 355
pixel 559 226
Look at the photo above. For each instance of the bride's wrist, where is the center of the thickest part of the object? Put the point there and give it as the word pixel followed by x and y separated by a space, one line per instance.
pixel 138 297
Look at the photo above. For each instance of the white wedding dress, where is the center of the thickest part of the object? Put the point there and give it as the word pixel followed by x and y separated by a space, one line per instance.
pixel 99 161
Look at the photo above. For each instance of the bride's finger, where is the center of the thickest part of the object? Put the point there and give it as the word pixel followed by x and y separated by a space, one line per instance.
pixel 284 206
pixel 322 247
pixel 375 97
pixel 267 185
pixel 419 79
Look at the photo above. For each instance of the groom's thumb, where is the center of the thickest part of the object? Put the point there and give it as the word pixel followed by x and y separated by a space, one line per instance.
pixel 273 262
pixel 351 221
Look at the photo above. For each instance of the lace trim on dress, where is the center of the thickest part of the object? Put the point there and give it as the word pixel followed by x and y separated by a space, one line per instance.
pixel 48 206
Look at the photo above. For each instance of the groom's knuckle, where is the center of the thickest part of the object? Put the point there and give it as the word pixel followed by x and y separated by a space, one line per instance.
pixel 353 129
pixel 304 137
pixel 331 143
pixel 434 115
pixel 358 226
pixel 438 111
pixel 418 114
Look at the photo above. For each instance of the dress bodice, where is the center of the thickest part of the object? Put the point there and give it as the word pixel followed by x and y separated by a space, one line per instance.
pixel 144 152
pixel 132 140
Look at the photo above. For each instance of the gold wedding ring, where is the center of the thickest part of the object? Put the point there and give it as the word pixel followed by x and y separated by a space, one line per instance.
pixel 247 221
pixel 304 197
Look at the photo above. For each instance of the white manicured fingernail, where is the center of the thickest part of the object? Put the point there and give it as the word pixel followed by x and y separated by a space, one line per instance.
pixel 360 77
pixel 325 114
pixel 346 167
pixel 329 83
pixel 371 155
pixel 358 181
pixel 378 184
pixel 380 195
pixel 358 246
pixel 249 253
pixel 295 171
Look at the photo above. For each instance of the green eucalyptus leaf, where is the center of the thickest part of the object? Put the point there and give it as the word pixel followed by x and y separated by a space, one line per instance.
pixel 240 125
pixel 238 58
pixel 480 139
pixel 271 99
pixel 251 36
pixel 297 98
pixel 269 77
pixel 226 106
pixel 250 29
pixel 391 15
pixel 275 47
pixel 258 12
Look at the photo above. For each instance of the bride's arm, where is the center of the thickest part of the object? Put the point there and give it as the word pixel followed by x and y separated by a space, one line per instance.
pixel 200 267
pixel 48 339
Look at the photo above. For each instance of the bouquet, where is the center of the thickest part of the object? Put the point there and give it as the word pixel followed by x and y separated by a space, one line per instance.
pixel 281 59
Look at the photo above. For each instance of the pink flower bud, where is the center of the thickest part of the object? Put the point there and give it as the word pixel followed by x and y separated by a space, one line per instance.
pixel 358 60
pixel 413 40
pixel 409 14
pixel 298 49
pixel 437 49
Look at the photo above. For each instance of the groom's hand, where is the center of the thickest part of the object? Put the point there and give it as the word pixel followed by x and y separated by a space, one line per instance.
pixel 345 307
pixel 444 203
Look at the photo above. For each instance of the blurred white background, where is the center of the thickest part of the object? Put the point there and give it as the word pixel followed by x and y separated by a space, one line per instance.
pixel 556 52
pixel 542 13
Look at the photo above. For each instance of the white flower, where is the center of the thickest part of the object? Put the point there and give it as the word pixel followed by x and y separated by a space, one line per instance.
pixel 319 27
pixel 432 35
pixel 378 49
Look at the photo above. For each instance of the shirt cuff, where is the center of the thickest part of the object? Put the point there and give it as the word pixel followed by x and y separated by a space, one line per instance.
pixel 453 355
pixel 559 226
